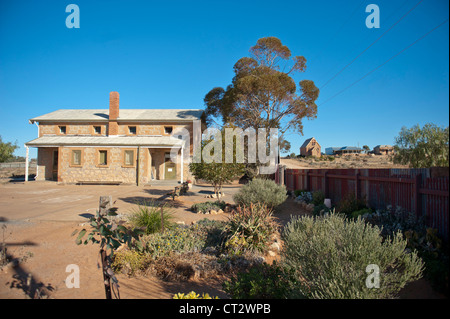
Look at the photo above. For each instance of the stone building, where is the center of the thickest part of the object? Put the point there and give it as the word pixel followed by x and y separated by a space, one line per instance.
pixel 123 146
pixel 310 148
pixel 383 150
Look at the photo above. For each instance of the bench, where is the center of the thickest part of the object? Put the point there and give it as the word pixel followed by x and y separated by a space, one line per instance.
pixel 99 183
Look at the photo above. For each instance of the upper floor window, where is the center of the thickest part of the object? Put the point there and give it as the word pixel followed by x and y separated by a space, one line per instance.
pixel 97 130
pixel 168 129
pixel 62 129
pixel 132 130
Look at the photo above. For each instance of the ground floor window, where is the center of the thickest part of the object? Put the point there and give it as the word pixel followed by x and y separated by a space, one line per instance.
pixel 76 157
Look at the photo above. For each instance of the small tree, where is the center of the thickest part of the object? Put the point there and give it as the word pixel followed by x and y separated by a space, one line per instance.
pixel 110 236
pixel 366 148
pixel 7 150
pixel 422 147
pixel 218 172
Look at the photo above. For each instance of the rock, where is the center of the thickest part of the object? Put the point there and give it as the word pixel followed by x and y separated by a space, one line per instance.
pixel 213 212
pixel 271 253
pixel 275 246
pixel 220 211
pixel 180 222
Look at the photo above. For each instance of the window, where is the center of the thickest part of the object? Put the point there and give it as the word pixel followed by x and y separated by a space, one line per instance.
pixel 62 129
pixel 103 158
pixel 128 158
pixel 132 129
pixel 168 129
pixel 76 157
pixel 97 129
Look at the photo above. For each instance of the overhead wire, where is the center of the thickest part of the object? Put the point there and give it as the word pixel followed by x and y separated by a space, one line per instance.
pixel 392 57
pixel 360 54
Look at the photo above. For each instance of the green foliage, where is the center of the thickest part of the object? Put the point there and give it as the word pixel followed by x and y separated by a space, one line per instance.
pixel 7 150
pixel 262 281
pixel 350 204
pixel 330 255
pixel 134 261
pixel 430 247
pixel 322 209
pixel 147 216
pixel 207 206
pixel 109 234
pixel 262 191
pixel 217 172
pixel 193 295
pixel 425 146
pixel 318 197
pixel 297 192
pixel 361 212
pixel 183 239
pixel 249 228
pixel 262 94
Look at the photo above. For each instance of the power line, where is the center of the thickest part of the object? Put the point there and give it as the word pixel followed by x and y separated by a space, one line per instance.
pixel 351 62
pixel 379 66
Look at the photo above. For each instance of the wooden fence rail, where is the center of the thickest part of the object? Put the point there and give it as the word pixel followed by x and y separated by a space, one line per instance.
pixel 420 191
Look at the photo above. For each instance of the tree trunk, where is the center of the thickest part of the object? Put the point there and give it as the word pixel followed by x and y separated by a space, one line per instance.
pixel 106 279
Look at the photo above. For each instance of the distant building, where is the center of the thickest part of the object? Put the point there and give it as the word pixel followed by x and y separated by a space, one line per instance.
pixel 343 150
pixel 383 149
pixel 310 148
pixel 331 150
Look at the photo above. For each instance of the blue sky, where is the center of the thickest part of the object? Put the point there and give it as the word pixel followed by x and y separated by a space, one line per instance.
pixel 169 54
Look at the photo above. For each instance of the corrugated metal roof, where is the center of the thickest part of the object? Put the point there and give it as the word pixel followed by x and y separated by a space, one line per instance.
pixel 105 141
pixel 124 115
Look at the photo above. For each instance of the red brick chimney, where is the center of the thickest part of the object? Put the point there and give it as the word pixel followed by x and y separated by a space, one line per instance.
pixel 113 127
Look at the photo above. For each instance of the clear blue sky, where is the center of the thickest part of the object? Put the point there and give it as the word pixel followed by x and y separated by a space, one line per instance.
pixel 169 54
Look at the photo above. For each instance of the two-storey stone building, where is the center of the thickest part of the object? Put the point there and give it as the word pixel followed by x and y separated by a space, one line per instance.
pixel 129 146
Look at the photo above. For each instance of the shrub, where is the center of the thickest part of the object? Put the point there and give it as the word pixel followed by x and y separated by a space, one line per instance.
pixel 305 197
pixel 183 239
pixel 262 281
pixel 330 255
pixel 249 228
pixel 262 191
pixel 318 197
pixel 207 206
pixel 430 247
pixel 193 295
pixel 130 261
pixel 297 192
pixel 148 216
pixel 349 204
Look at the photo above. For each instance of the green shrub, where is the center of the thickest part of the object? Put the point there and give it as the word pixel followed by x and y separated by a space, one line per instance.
pixel 130 260
pixel 148 216
pixel 330 255
pixel 183 239
pixel 297 192
pixel 321 209
pixel 207 206
pixel 349 204
pixel 318 197
pixel 360 212
pixel 249 228
pixel 262 281
pixel 262 191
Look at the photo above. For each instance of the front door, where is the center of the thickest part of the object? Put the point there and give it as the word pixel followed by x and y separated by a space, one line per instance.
pixel 170 168
pixel 55 166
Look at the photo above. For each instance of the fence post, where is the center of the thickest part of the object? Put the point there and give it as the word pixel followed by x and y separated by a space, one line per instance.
pixel 307 186
pixel 325 183
pixel 418 196
pixel 357 185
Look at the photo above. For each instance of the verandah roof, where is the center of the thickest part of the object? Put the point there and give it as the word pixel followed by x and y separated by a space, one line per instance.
pixel 155 141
